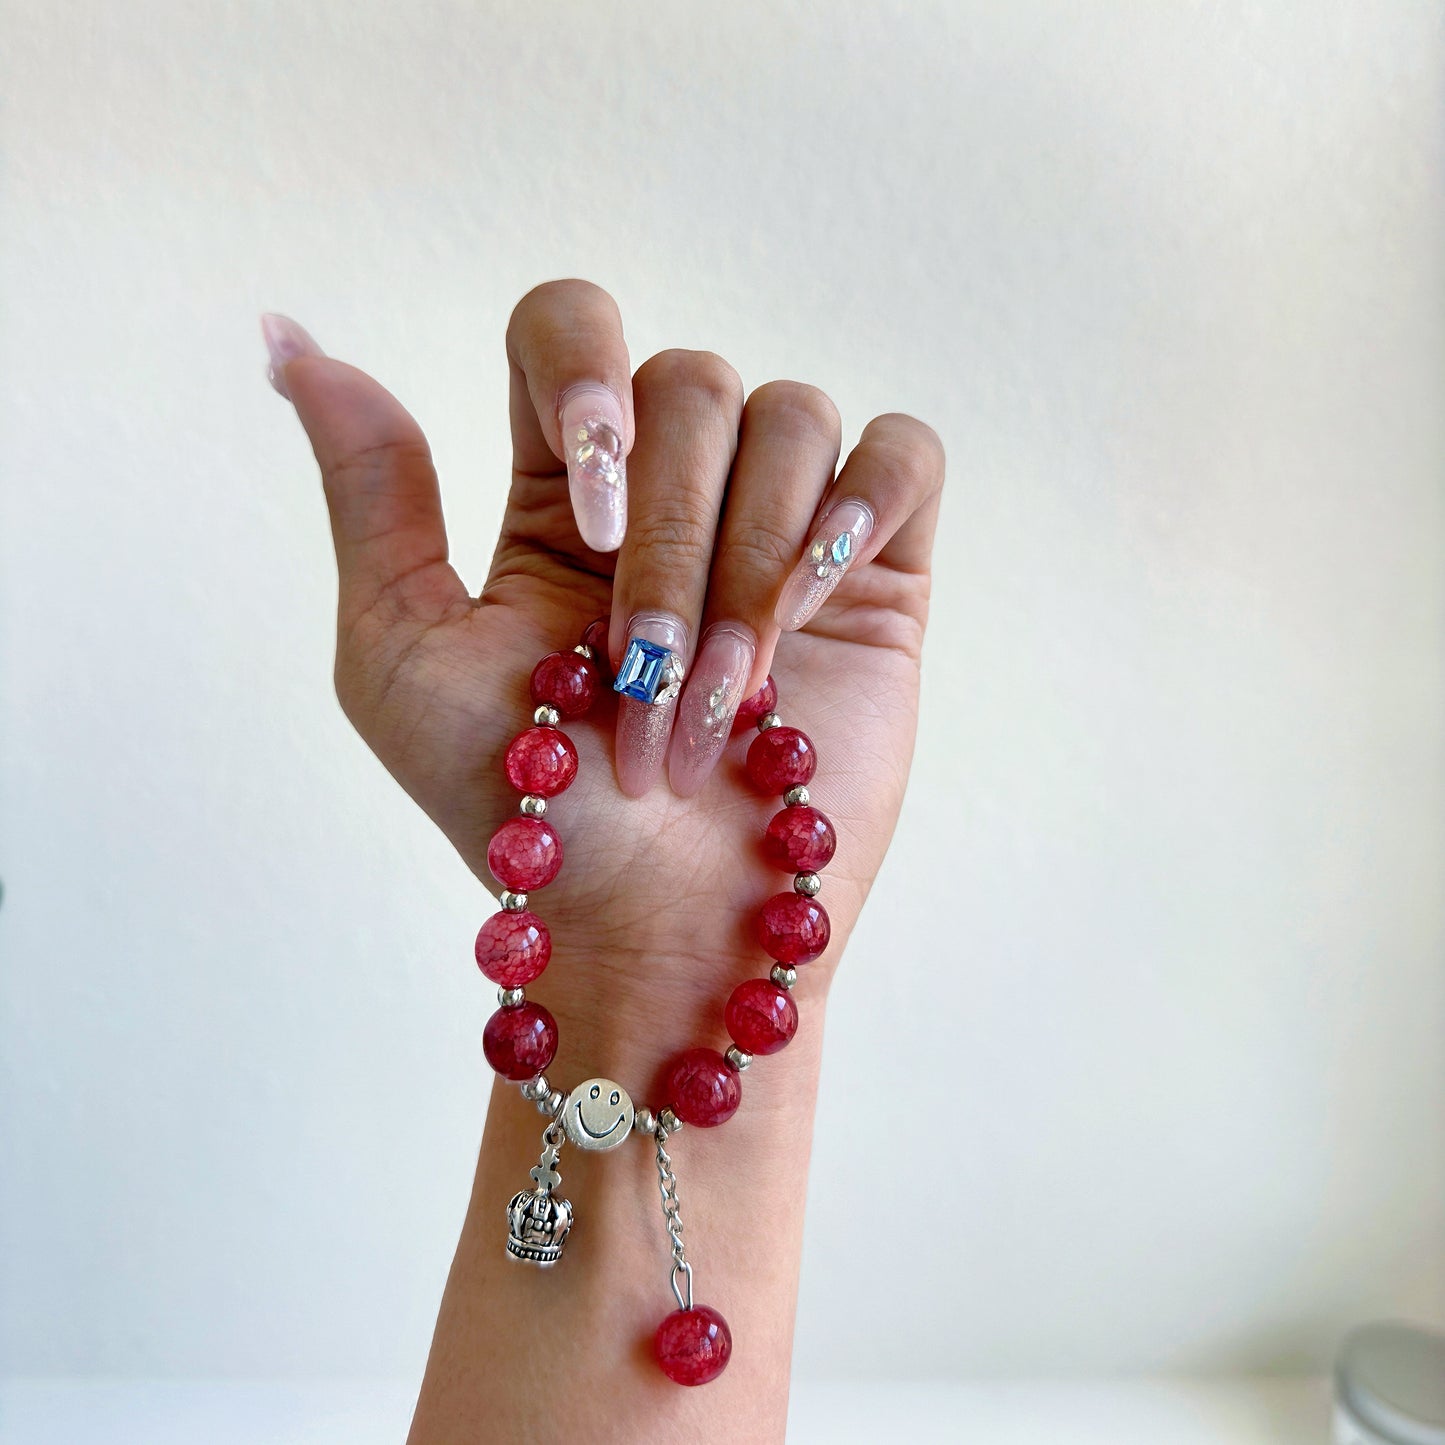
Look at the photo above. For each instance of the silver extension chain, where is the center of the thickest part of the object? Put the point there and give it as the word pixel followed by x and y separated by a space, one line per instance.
pixel 672 1218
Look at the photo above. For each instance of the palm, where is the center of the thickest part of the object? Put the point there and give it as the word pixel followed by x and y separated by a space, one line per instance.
pixel 440 708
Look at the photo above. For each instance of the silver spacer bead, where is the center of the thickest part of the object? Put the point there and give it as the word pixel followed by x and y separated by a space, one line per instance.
pixel 783 976
pixel 555 1100
pixel 532 806
pixel 737 1058
pixel 668 1122
pixel 536 1088
pixel 795 797
pixel 807 884
pixel 546 716
pixel 512 902
pixel 511 997
pixel 584 649
pixel 644 1122
pixel 769 720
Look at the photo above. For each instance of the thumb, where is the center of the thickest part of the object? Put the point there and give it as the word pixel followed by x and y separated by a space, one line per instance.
pixel 380 485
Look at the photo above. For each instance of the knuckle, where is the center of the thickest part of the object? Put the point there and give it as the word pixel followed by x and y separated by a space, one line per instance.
pixel 795 407
pixel 704 372
pixel 680 538
pixel 374 464
pixel 761 550
pixel 556 310
pixel 909 443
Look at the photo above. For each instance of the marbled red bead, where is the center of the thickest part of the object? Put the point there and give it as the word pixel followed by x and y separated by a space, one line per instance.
pixel 781 758
pixel 524 853
pixel 793 929
pixel 596 638
pixel 702 1088
pixel 520 1042
pixel 541 760
pixel 750 709
pixel 566 681
pixel 693 1346
pixel 761 1017
pixel 800 839
pixel 513 948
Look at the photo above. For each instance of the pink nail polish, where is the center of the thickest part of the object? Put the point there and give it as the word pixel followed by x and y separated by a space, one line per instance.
pixel 285 341
pixel 833 548
pixel 707 707
pixel 592 432
pixel 644 727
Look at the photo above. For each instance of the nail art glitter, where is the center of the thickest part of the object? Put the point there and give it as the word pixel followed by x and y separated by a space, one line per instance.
pixel 826 558
pixel 592 432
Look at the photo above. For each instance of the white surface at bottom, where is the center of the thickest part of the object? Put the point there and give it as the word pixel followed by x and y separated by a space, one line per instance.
pixel 330 1412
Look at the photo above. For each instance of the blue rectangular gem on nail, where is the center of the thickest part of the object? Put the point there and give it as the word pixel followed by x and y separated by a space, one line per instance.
pixel 648 672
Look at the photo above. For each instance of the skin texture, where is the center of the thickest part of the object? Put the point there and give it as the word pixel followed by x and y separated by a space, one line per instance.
pixel 651 917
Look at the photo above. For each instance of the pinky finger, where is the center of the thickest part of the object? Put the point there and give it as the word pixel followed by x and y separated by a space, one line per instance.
pixel 884 502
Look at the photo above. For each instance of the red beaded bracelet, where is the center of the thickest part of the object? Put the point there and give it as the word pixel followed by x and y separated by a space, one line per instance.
pixel 701 1086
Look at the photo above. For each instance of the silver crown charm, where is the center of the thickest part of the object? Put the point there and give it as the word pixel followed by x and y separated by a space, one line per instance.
pixel 537 1219
pixel 538 1222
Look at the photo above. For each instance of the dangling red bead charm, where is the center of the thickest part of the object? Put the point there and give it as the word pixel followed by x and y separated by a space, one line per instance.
pixel 693 1346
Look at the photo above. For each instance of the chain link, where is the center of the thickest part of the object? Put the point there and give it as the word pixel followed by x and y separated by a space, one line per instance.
pixel 672 1218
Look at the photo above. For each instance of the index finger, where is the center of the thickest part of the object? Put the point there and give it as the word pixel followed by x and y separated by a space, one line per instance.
pixel 571 401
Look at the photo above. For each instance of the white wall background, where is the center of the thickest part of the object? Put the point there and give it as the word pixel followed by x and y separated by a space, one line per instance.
pixel 1151 994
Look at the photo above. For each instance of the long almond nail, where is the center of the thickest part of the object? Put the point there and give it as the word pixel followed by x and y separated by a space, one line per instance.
pixel 592 432
pixel 828 555
pixel 649 678
pixel 285 341
pixel 706 711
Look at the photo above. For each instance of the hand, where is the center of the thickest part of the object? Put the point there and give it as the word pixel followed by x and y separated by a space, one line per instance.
pixel 652 915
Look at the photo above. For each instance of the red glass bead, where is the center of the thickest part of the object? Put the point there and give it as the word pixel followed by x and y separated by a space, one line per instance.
pixel 781 758
pixel 524 853
pixel 800 839
pixel 693 1346
pixel 596 638
pixel 513 948
pixel 761 1017
pixel 702 1088
pixel 750 709
pixel 793 929
pixel 566 681
pixel 542 761
pixel 520 1042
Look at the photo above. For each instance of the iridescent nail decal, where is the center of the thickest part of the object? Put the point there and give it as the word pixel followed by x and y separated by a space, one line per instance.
pixel 648 681
pixel 705 714
pixel 838 541
pixel 592 432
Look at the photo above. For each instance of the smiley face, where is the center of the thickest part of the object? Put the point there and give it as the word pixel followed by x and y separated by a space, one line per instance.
pixel 597 1115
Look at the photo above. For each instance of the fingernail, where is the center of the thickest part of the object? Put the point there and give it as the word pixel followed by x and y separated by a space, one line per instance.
pixel 649 679
pixel 706 710
pixel 828 555
pixel 592 431
pixel 285 341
